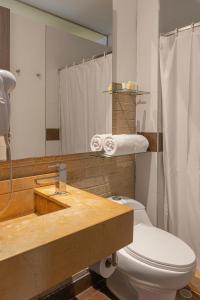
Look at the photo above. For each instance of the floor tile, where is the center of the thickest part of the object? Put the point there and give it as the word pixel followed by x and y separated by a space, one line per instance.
pixel 105 294
pixel 99 296
pixel 86 294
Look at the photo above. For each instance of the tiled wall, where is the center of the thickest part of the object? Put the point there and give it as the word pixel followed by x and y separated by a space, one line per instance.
pixel 124 114
pixel 97 175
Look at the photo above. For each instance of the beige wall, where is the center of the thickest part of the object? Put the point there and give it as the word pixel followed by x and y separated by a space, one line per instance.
pixel 27 54
pixel 135 55
pixel 147 106
pixel 135 51
pixel 124 40
pixel 178 13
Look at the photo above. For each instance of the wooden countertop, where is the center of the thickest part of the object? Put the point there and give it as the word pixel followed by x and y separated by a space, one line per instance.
pixel 83 210
pixel 39 252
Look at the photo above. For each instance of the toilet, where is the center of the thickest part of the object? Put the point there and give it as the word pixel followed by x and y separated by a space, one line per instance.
pixel 155 265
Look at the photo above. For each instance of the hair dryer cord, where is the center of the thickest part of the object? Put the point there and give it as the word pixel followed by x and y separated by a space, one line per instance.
pixel 7 141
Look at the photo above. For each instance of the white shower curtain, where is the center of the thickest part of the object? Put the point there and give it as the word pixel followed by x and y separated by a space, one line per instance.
pixel 180 78
pixel 85 109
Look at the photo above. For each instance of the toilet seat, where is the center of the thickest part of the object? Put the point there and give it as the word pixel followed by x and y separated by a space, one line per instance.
pixel 154 247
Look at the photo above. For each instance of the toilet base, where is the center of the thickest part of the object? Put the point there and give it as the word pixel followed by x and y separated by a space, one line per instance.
pixel 120 285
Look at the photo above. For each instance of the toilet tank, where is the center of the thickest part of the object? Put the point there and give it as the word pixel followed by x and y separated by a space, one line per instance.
pixel 140 214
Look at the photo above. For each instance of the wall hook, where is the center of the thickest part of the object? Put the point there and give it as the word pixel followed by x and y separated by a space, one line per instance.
pixel 193 26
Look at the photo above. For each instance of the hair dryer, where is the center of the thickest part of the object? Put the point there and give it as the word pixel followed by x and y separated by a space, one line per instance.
pixel 7 84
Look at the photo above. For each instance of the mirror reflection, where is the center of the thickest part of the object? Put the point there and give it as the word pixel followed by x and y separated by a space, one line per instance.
pixel 62 66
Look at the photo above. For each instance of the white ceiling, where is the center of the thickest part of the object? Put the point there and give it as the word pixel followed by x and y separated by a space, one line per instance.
pixel 94 14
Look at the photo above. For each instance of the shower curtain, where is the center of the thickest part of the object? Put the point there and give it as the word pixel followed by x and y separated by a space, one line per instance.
pixel 85 109
pixel 180 79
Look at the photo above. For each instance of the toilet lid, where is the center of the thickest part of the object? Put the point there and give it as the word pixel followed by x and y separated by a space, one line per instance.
pixel 160 248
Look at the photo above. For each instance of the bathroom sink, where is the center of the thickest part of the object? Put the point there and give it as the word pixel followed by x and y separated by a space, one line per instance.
pixel 30 207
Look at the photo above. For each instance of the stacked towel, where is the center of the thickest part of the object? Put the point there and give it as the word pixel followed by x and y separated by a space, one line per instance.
pixel 97 142
pixel 125 144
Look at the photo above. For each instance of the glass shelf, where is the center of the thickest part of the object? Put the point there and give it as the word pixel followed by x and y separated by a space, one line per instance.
pixel 103 155
pixel 127 91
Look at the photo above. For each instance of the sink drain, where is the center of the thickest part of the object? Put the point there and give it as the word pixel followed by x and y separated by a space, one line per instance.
pixel 185 293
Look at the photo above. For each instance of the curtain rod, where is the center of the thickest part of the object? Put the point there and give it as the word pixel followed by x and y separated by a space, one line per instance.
pixel 177 30
pixel 86 60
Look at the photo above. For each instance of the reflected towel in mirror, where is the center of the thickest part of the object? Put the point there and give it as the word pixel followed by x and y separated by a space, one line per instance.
pixel 97 142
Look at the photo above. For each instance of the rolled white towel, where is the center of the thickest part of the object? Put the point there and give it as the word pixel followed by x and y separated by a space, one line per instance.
pixel 97 142
pixel 125 144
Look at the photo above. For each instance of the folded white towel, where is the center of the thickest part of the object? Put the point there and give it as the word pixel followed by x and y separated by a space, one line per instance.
pixel 97 142
pixel 125 144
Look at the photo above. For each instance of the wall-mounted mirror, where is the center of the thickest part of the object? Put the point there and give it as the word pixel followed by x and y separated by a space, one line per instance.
pixel 61 55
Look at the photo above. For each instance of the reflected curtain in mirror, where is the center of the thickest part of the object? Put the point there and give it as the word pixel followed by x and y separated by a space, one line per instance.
pixel 85 109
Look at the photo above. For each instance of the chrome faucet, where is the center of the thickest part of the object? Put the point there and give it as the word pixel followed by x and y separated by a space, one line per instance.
pixel 60 179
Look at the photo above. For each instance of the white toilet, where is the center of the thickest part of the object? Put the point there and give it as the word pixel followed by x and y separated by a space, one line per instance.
pixel 155 265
